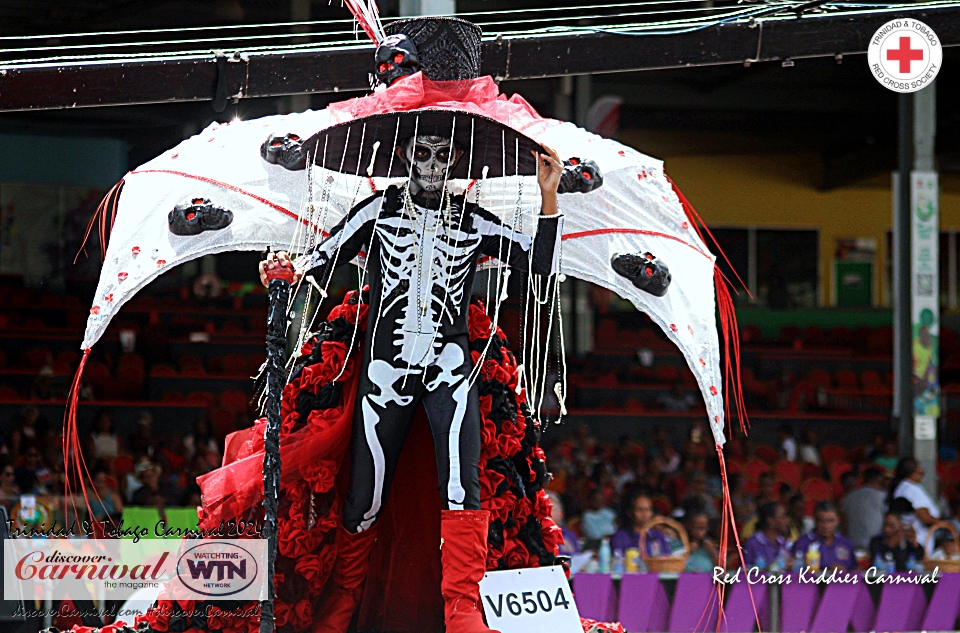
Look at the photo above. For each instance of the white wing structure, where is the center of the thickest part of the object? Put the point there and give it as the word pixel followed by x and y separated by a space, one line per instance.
pixel 636 210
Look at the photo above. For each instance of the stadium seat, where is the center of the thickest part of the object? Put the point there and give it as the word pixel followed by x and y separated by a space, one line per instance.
pixel 837 470
pixel 810 471
pixel 833 453
pixel 161 370
pixel 816 489
pixel 754 468
pixel 8 393
pixel 846 379
pixel 787 472
pixel 122 465
pixel 766 453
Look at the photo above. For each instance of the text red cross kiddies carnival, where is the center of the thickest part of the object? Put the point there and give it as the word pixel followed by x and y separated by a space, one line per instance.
pixel 905 54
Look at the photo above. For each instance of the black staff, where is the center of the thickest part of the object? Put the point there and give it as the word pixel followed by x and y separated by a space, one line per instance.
pixel 279 274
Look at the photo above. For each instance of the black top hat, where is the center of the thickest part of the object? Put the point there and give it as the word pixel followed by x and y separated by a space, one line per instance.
pixel 449 48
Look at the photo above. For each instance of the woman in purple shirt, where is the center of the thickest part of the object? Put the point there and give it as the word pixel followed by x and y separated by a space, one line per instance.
pixel 640 512
pixel 768 543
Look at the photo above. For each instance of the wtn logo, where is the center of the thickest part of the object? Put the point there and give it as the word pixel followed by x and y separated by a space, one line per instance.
pixel 224 569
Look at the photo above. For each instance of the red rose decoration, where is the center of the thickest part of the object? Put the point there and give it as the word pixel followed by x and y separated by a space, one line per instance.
pixel 509 446
pixel 281 613
pixel 302 614
pixel 311 568
pixel 292 540
pixel 320 475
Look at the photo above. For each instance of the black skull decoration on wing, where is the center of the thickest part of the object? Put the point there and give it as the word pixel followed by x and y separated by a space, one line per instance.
pixel 579 176
pixel 645 271
pixel 197 216
pixel 286 151
pixel 396 57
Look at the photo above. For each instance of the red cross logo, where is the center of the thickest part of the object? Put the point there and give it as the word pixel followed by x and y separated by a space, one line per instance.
pixel 905 55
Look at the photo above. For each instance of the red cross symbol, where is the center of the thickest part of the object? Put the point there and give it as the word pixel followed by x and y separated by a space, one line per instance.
pixel 905 54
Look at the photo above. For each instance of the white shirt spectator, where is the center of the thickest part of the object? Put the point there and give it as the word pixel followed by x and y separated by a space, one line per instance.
pixel 789 448
pixel 918 496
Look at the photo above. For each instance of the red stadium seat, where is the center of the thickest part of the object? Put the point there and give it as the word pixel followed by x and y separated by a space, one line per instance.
pixel 161 370
pixel 754 468
pixel 810 471
pixel 8 393
pixel 766 453
pixel 846 379
pixel 833 453
pixel 234 400
pixel 817 489
pixel 788 472
pixel 122 465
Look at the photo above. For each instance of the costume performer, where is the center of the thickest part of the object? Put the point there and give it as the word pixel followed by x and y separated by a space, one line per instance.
pixel 446 164
pixel 422 247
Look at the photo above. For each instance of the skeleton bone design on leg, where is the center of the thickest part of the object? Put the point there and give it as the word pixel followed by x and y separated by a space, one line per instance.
pixel 384 375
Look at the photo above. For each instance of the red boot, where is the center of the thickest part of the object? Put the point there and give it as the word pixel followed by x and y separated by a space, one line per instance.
pixel 463 552
pixel 345 586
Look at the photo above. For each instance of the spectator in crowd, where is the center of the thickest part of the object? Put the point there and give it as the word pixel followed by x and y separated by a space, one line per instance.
pixel 864 508
pixel 809 451
pixel 876 448
pixel 768 545
pixel 743 507
pixel 142 441
pixel 890 457
pixel 571 544
pixel 29 433
pixel 703 551
pixel 699 443
pixel 44 386
pixel 9 493
pixel 667 460
pixel 897 542
pixel 946 546
pixel 33 476
pixel 104 443
pixel 766 489
pixel 201 440
pixel 797 520
pixel 698 489
pixel 151 486
pixel 836 550
pixel 599 521
pixel 676 399
pixel 105 503
pixel 639 512
pixel 788 445
pixel 906 484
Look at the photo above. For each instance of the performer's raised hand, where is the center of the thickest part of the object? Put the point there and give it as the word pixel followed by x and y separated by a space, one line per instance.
pixel 273 261
pixel 549 170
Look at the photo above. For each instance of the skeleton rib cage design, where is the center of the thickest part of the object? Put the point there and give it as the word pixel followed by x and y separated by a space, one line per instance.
pixel 421 258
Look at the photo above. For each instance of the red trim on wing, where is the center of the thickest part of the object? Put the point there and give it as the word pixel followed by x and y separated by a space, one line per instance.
pixel 226 185
pixel 573 236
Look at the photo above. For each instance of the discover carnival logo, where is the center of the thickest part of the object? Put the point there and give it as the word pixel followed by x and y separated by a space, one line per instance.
pixel 905 55
pixel 114 569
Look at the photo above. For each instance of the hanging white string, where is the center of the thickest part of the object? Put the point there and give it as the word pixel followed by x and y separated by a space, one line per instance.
pixel 368 17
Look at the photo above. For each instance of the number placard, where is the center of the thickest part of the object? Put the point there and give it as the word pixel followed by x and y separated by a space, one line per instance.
pixel 533 600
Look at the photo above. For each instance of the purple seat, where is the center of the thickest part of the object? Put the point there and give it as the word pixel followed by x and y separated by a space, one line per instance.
pixel 743 610
pixel 944 605
pixel 643 603
pixel 843 605
pixel 596 596
pixel 901 608
pixel 798 603
pixel 694 604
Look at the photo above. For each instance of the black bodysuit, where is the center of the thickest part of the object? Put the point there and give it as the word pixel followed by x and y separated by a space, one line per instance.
pixel 421 263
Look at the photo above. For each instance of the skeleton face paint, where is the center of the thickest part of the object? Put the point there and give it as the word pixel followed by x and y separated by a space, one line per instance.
pixel 430 158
